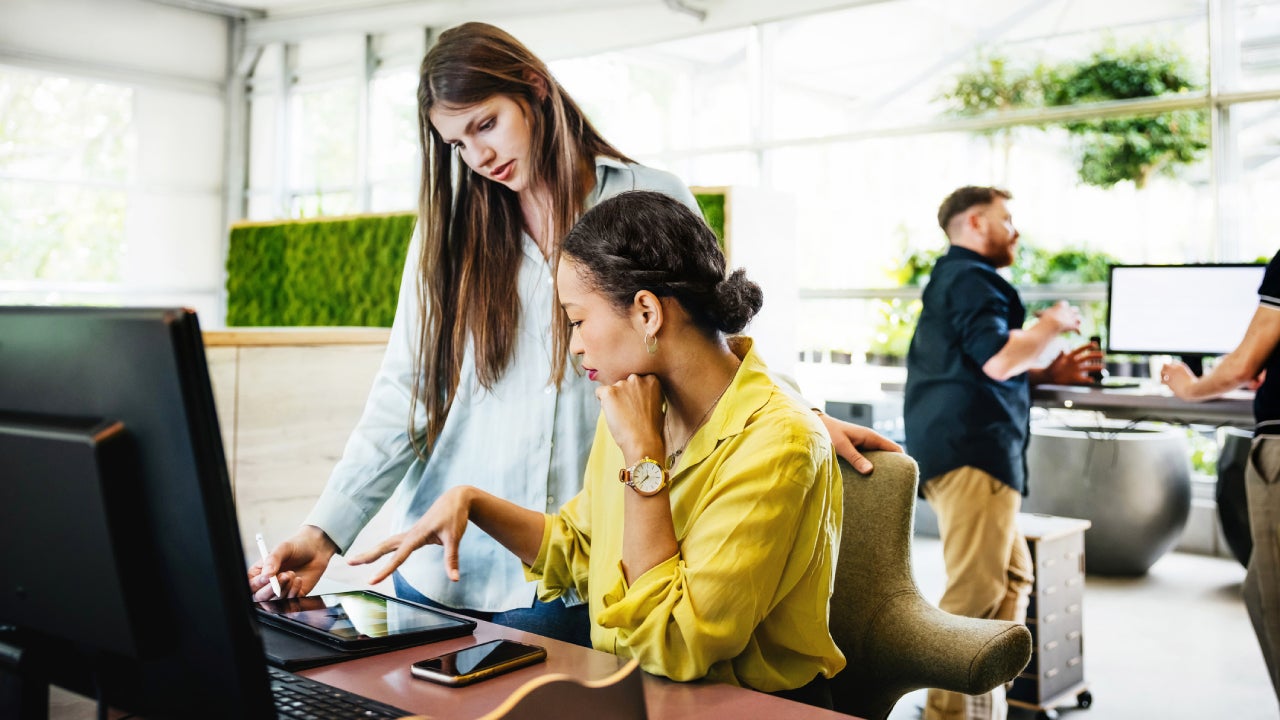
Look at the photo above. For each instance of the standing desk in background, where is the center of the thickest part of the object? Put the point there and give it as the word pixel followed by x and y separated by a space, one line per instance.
pixel 1148 402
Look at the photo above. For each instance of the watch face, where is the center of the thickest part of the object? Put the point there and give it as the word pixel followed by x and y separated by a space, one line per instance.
pixel 647 477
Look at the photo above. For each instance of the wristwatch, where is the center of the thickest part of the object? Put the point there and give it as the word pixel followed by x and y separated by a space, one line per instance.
pixel 646 477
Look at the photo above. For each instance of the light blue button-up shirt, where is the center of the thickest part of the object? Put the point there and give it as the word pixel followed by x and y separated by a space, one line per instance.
pixel 521 440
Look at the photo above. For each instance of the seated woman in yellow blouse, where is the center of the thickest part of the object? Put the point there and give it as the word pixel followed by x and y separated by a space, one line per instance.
pixel 705 536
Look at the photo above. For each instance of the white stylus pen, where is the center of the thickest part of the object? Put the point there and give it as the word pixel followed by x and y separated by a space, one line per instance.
pixel 262 550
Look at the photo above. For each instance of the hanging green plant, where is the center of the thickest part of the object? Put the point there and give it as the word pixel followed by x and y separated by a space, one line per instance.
pixel 993 84
pixel 1115 150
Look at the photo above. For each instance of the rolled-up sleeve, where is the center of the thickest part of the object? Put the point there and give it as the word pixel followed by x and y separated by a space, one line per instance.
pixel 735 564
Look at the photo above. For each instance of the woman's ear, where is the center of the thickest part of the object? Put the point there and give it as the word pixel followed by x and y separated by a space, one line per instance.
pixel 539 83
pixel 647 312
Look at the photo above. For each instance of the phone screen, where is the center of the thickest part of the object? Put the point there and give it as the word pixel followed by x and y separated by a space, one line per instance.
pixel 478 661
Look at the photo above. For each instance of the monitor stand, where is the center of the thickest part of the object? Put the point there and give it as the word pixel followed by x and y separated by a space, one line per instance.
pixel 1195 363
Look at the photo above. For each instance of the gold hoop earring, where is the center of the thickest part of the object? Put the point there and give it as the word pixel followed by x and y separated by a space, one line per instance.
pixel 651 343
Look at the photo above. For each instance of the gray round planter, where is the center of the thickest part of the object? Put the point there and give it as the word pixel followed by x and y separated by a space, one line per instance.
pixel 1132 482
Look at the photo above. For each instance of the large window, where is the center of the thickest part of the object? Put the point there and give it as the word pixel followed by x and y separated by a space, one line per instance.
pixel 868 116
pixel 66 161
pixel 105 199
pixel 333 127
pixel 867 127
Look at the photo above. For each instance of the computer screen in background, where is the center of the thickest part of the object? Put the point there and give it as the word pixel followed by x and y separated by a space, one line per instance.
pixel 1188 310
pixel 122 575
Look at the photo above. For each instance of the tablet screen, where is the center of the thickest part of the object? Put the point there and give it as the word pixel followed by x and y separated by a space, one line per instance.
pixel 360 615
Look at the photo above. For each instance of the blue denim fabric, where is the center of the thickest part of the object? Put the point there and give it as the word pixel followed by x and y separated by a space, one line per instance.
pixel 549 619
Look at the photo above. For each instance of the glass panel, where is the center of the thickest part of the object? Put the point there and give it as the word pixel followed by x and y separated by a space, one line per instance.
pixel 263 116
pixel 740 168
pixel 675 95
pixel 846 326
pixel 67 149
pixel 865 207
pixel 393 123
pixel 394 197
pixel 1252 204
pixel 1254 57
pixel 639 107
pixel 323 132
pixel 262 206
pixel 854 69
pixel 322 204
pixel 60 232
pixel 63 128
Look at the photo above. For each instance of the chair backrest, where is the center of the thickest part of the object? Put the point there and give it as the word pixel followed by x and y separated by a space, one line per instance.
pixel 555 696
pixel 893 639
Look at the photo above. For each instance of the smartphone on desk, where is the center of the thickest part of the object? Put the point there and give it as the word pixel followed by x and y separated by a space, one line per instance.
pixel 478 662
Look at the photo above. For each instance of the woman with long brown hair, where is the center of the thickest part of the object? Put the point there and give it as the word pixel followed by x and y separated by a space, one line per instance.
pixel 475 386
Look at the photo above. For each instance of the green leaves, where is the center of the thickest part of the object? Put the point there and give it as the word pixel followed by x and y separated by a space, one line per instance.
pixel 712 206
pixel 1111 150
pixel 319 272
pixel 994 84
pixel 1116 150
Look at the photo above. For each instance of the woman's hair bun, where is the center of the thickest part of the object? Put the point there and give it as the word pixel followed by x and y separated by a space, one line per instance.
pixel 737 301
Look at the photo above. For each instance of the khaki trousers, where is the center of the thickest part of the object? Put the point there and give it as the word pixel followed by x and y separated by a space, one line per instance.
pixel 989 573
pixel 1262 582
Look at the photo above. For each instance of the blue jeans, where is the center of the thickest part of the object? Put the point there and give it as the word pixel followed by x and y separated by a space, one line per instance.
pixel 549 619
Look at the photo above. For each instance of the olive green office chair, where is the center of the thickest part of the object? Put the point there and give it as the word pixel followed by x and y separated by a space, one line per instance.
pixel 894 640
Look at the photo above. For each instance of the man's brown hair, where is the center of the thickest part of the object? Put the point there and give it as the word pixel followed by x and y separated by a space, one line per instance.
pixel 965 198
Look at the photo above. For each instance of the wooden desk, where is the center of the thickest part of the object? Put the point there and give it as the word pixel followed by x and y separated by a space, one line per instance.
pixel 1147 403
pixel 386 678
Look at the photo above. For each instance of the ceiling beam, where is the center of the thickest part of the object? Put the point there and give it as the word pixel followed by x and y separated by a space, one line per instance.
pixel 542 23
pixel 210 7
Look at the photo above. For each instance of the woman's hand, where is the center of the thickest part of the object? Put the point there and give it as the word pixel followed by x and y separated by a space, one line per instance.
pixel 297 563
pixel 442 524
pixel 847 439
pixel 633 410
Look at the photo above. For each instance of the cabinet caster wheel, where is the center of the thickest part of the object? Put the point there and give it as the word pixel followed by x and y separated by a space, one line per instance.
pixel 1047 714
pixel 1084 699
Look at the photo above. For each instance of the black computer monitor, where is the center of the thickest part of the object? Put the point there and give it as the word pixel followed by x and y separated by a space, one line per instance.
pixel 1188 310
pixel 122 576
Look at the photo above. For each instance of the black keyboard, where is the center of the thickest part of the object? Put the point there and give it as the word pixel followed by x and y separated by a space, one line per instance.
pixel 304 698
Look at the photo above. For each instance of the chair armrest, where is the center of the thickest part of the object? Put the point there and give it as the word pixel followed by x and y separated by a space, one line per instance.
pixel 913 640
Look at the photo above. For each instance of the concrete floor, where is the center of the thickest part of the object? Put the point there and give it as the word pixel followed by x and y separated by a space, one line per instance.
pixel 1175 643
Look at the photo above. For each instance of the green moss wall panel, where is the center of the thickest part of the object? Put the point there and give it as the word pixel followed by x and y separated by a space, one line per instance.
pixel 324 272
pixel 343 271
pixel 712 205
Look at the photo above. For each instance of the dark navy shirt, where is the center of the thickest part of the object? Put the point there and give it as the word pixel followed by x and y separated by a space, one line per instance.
pixel 955 414
pixel 1266 403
